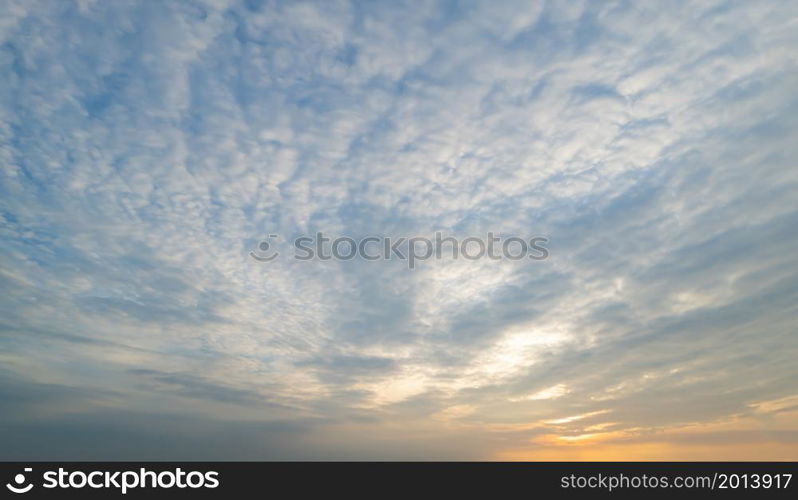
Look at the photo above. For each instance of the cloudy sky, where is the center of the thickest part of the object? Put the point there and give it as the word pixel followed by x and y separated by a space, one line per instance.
pixel 147 147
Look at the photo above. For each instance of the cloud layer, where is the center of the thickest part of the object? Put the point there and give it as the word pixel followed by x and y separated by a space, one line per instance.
pixel 147 147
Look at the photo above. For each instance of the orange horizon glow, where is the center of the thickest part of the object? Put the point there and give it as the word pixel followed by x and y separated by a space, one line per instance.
pixel 747 439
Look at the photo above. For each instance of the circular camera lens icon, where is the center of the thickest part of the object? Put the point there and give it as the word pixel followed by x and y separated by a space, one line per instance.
pixel 262 254
pixel 19 480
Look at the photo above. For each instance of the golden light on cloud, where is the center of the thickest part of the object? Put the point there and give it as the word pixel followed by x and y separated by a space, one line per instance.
pixel 574 418
pixel 553 392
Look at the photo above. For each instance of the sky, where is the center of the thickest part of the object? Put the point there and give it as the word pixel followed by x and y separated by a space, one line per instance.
pixel 147 147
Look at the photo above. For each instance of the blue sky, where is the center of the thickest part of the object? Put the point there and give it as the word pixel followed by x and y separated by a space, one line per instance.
pixel 146 147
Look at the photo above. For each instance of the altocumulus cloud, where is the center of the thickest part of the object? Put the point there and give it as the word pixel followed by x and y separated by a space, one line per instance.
pixel 146 147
